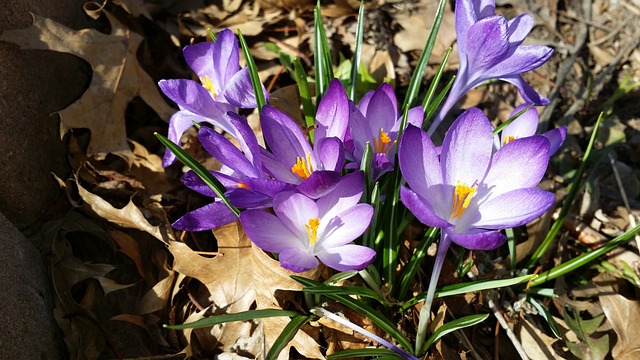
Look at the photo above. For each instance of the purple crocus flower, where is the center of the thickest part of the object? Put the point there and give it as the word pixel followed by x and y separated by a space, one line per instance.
pixel 248 187
pixel 469 192
pixel 292 159
pixel 223 87
pixel 305 232
pixel 490 47
pixel 526 125
pixel 375 120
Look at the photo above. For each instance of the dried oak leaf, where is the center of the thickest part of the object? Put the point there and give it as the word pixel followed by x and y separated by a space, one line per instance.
pixel 235 280
pixel 117 79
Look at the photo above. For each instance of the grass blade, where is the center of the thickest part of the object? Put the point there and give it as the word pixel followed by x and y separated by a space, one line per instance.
pixel 357 53
pixel 253 73
pixel 360 353
pixel 361 291
pixel 200 170
pixel 453 326
pixel 308 109
pixel 500 127
pixel 287 334
pixel 241 316
pixel 551 235
pixel 322 55
pixel 364 310
pixel 410 270
pixel 436 80
pixel 430 109
pixel 418 73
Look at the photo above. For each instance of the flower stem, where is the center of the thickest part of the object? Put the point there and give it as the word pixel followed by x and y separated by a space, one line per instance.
pixel 425 312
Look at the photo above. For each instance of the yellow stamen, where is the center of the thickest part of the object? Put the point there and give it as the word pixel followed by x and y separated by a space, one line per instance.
pixel 312 230
pixel 383 144
pixel 207 84
pixel 243 186
pixel 303 168
pixel 508 139
pixel 462 196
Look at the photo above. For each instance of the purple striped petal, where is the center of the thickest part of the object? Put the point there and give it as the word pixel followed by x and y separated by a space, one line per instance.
pixel 477 239
pixel 423 210
pixel 267 232
pixel 239 92
pixel 345 227
pixel 515 208
pixel 226 58
pixel 207 217
pixel 224 151
pixel 330 152
pixel 518 164
pixel 179 123
pixel 467 149
pixel 523 59
pixel 345 195
pixel 526 91
pixel 519 28
pixel 487 43
pixel 556 138
pixel 332 116
pixel 268 187
pixel 382 111
pixel 347 257
pixel 319 183
pixel 420 164
pixel 294 210
pixel 248 199
pixel 297 260
pixel 199 57
pixel 190 95
pixel 284 137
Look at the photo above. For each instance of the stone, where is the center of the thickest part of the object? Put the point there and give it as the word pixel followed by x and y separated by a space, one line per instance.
pixel 28 328
pixel 34 84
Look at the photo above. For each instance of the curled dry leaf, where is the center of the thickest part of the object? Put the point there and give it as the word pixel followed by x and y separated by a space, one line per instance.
pixel 117 79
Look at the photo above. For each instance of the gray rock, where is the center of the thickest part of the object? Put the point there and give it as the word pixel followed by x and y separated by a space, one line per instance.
pixel 33 85
pixel 28 329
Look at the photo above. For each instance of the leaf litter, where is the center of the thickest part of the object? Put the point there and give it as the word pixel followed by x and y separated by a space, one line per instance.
pixel 119 271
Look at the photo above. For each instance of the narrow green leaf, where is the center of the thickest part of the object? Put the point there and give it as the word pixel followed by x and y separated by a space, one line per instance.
pixel 430 109
pixel 357 53
pixel 468 287
pixel 511 244
pixel 200 170
pixel 341 276
pixel 418 73
pixel 212 35
pixel 308 109
pixel 583 259
pixel 500 127
pixel 253 73
pixel 436 80
pixel 322 55
pixel 568 201
pixel 359 353
pixel 544 312
pixel 225 318
pixel 344 290
pixel 410 270
pixel 452 326
pixel 287 334
pixel 364 310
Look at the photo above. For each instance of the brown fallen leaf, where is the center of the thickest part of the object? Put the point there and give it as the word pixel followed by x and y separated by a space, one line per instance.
pixel 117 79
pixel 621 312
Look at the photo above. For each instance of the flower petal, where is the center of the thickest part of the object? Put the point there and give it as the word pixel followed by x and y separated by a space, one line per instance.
pixel 422 210
pixel 420 164
pixel 239 92
pixel 332 116
pixel 297 260
pixel 294 211
pixel 248 199
pixel 518 164
pixel 556 138
pixel 344 195
pixel 208 217
pixel 319 183
pixel 191 96
pixel 199 57
pixel 478 239
pixel 267 232
pixel 276 169
pixel 284 137
pixel 526 91
pixel 224 151
pixel 226 58
pixel 247 139
pixel 524 126
pixel 347 257
pixel 330 152
pixel 518 29
pixel 382 111
pixel 487 43
pixel 515 208
pixel 345 227
pixel 466 150
pixel 269 187
pixel 179 123
pixel 523 59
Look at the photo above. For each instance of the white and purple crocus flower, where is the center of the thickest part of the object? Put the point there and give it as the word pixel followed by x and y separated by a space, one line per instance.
pixel 467 190
pixel 305 231
pixel 223 87
pixel 375 120
pixel 490 47
pixel 526 125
